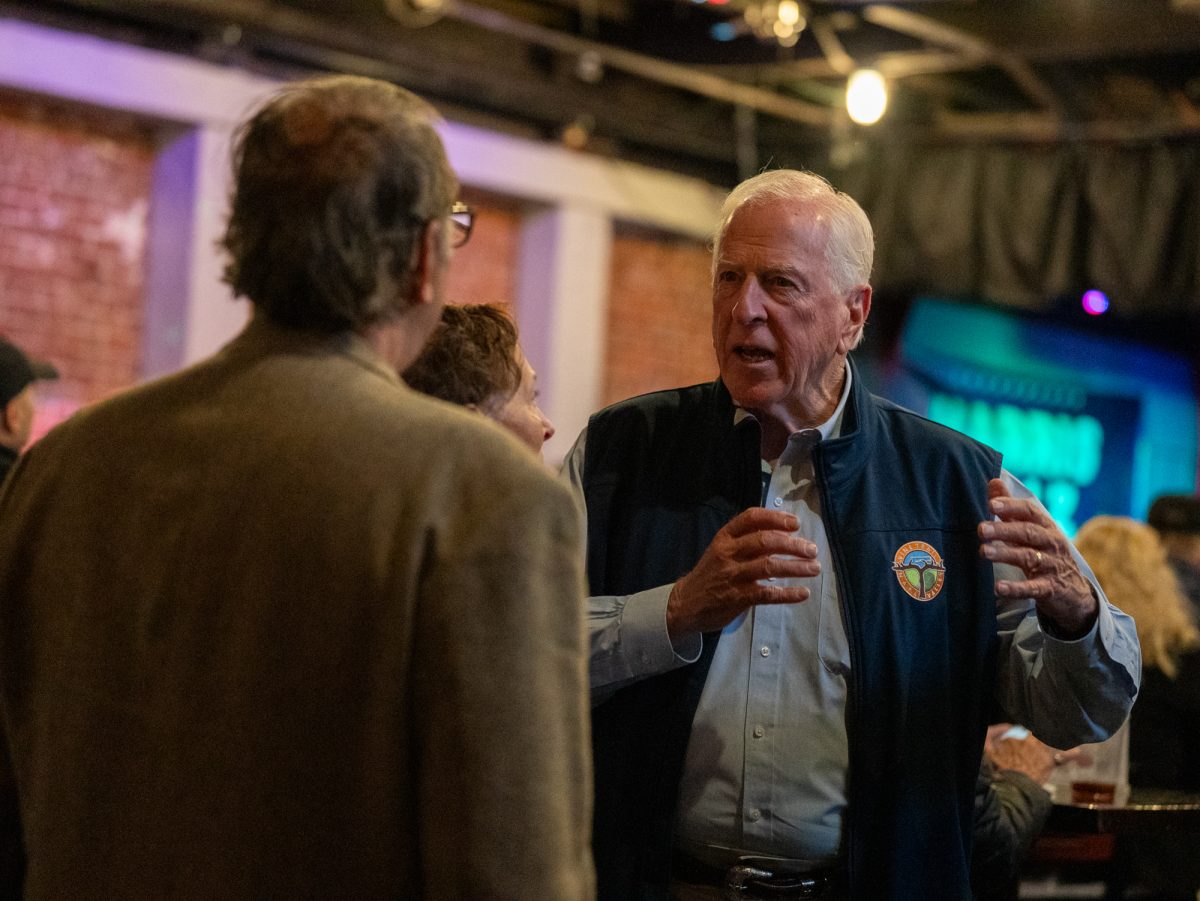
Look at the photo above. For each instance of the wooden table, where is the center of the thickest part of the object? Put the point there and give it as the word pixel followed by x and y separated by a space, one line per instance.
pixel 1147 810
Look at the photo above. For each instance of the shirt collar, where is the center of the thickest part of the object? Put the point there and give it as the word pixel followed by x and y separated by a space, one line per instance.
pixel 830 428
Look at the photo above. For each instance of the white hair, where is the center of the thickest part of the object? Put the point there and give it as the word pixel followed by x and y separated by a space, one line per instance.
pixel 850 242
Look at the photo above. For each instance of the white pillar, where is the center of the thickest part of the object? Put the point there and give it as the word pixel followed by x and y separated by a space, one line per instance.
pixel 188 311
pixel 562 305
pixel 213 315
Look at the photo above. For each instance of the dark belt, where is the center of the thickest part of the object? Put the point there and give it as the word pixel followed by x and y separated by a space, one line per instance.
pixel 758 878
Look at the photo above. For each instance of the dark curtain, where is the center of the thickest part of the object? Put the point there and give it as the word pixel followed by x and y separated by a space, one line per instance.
pixel 1022 225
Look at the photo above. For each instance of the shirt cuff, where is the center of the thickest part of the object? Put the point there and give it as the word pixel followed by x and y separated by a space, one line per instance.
pixel 650 648
pixel 1086 646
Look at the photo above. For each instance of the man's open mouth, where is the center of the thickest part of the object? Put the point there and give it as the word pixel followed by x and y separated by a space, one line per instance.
pixel 753 354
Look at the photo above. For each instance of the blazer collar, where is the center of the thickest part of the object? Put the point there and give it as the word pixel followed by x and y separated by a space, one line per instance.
pixel 262 337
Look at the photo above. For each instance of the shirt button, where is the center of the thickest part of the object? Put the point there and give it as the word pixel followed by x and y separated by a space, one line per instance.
pixel 755 814
pixel 759 731
pixel 778 502
pixel 765 651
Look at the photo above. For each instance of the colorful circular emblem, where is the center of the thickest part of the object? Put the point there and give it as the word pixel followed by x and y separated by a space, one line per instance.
pixel 919 570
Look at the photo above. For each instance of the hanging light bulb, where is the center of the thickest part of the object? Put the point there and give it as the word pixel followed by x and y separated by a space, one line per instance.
pixel 776 20
pixel 789 14
pixel 866 96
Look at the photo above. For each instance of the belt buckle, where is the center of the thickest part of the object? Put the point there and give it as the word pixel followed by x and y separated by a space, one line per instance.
pixel 772 882
pixel 736 878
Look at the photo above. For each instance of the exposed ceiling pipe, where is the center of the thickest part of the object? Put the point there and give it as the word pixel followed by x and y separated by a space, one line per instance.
pixel 927 29
pixel 839 60
pixel 648 67
pixel 340 46
pixel 308 40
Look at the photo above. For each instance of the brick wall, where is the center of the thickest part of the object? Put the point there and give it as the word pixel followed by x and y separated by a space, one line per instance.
pixel 74 192
pixel 75 187
pixel 485 269
pixel 659 332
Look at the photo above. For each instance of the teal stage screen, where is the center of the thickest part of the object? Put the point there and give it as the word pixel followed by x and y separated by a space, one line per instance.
pixel 1092 424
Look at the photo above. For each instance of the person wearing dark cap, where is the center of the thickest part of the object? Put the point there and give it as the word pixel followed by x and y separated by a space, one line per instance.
pixel 1176 518
pixel 17 376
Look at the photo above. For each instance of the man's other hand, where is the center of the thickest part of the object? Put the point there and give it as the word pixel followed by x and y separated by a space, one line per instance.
pixel 1025 536
pixel 739 569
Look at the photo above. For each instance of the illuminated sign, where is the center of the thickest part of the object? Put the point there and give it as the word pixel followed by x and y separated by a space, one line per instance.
pixel 1078 463
pixel 1090 423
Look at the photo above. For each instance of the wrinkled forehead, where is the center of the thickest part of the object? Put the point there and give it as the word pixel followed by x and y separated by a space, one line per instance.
pixel 787 222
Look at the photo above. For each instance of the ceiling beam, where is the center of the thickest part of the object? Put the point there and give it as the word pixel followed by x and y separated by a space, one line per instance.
pixel 1042 128
pixel 461 76
pixel 671 74
pixel 475 61
pixel 934 32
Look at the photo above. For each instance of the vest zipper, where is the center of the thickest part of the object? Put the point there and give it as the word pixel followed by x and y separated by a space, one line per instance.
pixel 854 640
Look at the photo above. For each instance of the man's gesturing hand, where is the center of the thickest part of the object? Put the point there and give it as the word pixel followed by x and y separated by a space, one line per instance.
pixel 1027 538
pixel 757 544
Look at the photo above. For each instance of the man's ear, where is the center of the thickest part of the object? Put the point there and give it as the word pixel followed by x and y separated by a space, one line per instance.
pixel 425 266
pixel 13 420
pixel 859 304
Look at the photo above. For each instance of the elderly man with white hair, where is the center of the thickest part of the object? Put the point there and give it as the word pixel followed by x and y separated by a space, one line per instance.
pixel 807 602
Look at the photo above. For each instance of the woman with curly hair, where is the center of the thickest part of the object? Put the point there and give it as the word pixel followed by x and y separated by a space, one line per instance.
pixel 1131 565
pixel 474 360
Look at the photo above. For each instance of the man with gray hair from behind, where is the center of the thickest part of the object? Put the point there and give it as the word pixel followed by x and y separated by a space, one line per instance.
pixel 806 601
pixel 278 626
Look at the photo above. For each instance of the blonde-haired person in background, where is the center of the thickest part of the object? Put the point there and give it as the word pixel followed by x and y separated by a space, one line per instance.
pixel 474 360
pixel 1164 730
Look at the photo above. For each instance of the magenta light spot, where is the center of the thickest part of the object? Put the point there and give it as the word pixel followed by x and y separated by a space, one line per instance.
pixel 1095 303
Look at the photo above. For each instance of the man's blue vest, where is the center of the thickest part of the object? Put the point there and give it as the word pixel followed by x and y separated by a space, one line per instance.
pixel 662 473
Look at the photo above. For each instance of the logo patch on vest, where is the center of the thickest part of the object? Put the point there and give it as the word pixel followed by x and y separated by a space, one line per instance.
pixel 919 570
